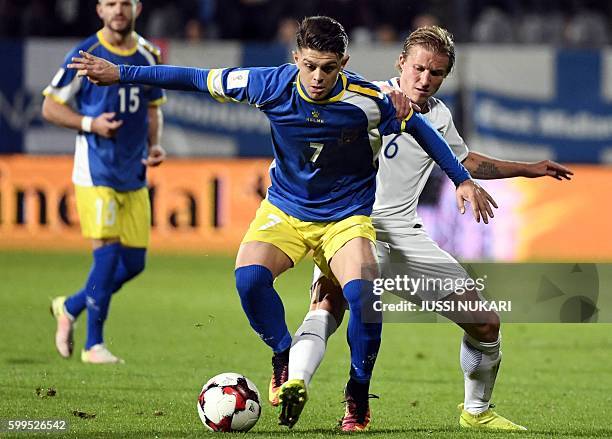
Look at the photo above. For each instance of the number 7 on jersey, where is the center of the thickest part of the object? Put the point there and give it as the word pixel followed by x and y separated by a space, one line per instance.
pixel 317 147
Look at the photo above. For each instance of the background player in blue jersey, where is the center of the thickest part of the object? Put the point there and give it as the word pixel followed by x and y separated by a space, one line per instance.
pixel 326 127
pixel 119 130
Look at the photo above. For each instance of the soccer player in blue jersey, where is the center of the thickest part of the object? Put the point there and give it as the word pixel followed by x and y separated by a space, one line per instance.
pixel 119 131
pixel 326 129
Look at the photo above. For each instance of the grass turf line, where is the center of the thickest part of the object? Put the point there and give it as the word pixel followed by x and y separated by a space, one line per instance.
pixel 181 323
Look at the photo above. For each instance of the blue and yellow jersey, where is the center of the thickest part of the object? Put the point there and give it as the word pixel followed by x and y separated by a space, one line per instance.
pixel 115 162
pixel 325 151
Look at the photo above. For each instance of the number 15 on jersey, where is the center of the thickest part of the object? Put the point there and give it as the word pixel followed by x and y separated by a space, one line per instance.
pixel 129 99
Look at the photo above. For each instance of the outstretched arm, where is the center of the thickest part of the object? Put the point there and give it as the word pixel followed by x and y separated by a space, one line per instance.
pixel 488 168
pixel 102 72
pixel 433 143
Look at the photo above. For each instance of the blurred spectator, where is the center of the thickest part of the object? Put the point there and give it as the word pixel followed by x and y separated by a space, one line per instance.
pixel 397 14
pixel 423 20
pixel 587 29
pixel 10 23
pixel 199 18
pixel 287 28
pixel 67 13
pixel 360 36
pixel 493 26
pixel 572 22
pixel 539 28
pixel 350 13
pixel 165 22
pixel 386 34
pixel 193 31
pixel 35 19
pixel 248 19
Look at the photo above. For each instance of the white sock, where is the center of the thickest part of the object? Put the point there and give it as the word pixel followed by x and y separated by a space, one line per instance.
pixel 309 344
pixel 480 363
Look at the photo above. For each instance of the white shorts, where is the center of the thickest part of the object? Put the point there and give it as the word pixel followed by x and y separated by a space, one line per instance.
pixel 416 255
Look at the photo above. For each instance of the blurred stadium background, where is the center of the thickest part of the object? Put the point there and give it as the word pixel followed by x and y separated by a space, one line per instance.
pixel 533 81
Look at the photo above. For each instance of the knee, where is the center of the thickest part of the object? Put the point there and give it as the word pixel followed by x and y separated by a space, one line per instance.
pixel 335 305
pixel 134 260
pixel 352 292
pixel 251 279
pixel 488 330
pixel 361 301
pixel 328 296
pixel 136 267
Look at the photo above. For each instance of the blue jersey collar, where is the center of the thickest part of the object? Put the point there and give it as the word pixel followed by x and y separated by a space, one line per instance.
pixel 117 51
pixel 336 93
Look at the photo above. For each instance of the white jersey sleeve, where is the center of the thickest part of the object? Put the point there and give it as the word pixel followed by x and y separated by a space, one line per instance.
pixel 404 168
pixel 65 84
pixel 451 135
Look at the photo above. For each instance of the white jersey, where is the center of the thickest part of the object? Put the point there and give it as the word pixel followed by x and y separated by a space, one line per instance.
pixel 404 168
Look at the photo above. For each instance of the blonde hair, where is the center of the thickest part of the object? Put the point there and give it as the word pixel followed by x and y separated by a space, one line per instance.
pixel 434 39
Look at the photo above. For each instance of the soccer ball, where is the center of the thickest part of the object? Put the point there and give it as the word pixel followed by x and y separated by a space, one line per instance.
pixel 229 402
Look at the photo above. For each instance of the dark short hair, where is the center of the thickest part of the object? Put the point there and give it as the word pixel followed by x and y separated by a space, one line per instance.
pixel 323 34
pixel 433 38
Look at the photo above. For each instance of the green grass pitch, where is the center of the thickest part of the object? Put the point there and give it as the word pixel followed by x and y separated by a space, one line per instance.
pixel 181 323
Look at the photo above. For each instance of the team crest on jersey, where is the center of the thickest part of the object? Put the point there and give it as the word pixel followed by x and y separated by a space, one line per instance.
pixel 315 117
pixel 349 135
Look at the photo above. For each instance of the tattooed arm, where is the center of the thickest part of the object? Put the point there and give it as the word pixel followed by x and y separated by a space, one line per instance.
pixel 488 168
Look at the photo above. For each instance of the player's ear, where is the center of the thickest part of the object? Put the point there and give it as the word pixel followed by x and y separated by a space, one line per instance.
pixel 138 9
pixel 296 56
pixel 99 10
pixel 344 61
pixel 400 62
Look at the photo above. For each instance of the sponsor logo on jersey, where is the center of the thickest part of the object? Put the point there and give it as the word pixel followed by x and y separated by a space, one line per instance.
pixel 315 117
pixel 237 79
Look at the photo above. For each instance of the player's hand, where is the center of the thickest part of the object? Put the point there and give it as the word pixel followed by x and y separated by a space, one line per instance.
pixel 157 155
pixel 105 126
pixel 401 102
pixel 98 70
pixel 547 168
pixel 479 199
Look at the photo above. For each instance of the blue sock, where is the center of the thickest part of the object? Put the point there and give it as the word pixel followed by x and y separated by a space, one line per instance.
pixel 99 291
pixel 131 263
pixel 263 306
pixel 363 338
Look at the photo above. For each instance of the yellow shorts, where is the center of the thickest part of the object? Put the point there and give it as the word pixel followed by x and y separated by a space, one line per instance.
pixel 107 213
pixel 296 237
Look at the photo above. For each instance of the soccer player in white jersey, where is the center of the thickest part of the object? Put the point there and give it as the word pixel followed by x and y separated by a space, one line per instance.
pixel 119 130
pixel 427 58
